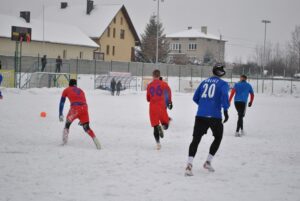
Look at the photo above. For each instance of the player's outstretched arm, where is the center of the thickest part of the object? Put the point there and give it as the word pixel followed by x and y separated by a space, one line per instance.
pixel 61 108
pixel 251 97
pixel 225 101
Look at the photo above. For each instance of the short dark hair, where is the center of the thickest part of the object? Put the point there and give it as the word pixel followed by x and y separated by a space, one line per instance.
pixel 156 73
pixel 160 78
pixel 244 76
pixel 72 82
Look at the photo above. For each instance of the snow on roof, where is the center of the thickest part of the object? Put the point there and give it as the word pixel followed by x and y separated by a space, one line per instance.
pixel 54 32
pixel 192 33
pixel 93 24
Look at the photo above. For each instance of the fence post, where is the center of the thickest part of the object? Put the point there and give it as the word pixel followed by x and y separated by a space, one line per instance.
pixel 95 72
pixel 291 85
pixel 77 67
pixel 263 80
pixel 257 89
pixel 142 77
pixel 128 65
pixel 192 77
pixel 272 80
pixel 179 77
pixel 111 68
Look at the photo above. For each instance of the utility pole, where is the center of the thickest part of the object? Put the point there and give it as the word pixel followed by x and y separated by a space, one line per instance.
pixel 157 30
pixel 264 59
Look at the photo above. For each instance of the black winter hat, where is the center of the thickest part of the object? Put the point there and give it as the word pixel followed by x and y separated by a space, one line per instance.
pixel 218 70
pixel 72 82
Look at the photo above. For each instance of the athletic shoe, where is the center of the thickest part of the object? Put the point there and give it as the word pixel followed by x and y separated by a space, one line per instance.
pixel 237 134
pixel 160 131
pixel 207 165
pixel 188 170
pixel 158 146
pixel 243 133
pixel 97 143
pixel 65 136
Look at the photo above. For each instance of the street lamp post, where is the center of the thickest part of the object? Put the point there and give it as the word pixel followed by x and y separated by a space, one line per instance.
pixel 264 59
pixel 157 30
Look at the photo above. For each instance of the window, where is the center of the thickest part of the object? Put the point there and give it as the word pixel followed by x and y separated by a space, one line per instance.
pixel 192 46
pixel 98 56
pixel 114 32
pixel 80 55
pixel 64 54
pixel 107 49
pixel 192 38
pixel 113 51
pixel 121 20
pixel 108 32
pixel 175 38
pixel 175 46
pixel 122 34
pixel 115 20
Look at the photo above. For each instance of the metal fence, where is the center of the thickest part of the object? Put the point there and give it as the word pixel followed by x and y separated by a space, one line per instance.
pixel 182 78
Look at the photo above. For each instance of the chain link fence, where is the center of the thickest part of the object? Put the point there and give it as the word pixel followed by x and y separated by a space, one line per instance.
pixel 182 78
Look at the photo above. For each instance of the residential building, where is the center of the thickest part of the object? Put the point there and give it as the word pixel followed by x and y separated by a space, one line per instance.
pixel 48 38
pixel 108 25
pixel 198 46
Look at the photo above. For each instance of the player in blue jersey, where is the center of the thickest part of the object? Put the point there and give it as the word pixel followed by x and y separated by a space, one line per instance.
pixel 241 91
pixel 1 78
pixel 211 96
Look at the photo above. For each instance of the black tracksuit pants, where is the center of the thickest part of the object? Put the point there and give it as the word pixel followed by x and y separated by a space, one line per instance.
pixel 241 109
pixel 201 127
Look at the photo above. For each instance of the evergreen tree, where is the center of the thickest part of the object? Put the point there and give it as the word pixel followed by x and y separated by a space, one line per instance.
pixel 147 52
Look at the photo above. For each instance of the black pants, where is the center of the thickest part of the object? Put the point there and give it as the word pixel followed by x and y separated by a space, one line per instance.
pixel 241 109
pixel 201 127
pixel 156 134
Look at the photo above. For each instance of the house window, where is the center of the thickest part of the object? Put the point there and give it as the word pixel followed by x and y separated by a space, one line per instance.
pixel 113 51
pixel 64 54
pixel 115 20
pixel 122 34
pixel 175 46
pixel 192 46
pixel 114 32
pixel 108 32
pixel 98 56
pixel 121 20
pixel 175 38
pixel 107 49
pixel 80 55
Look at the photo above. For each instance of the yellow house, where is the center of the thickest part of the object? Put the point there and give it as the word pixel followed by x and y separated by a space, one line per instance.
pixel 108 25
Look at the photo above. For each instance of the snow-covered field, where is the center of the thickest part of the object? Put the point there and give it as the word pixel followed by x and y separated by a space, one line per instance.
pixel 262 166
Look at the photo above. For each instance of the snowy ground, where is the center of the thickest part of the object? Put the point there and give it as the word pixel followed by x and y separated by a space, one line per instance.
pixel 262 166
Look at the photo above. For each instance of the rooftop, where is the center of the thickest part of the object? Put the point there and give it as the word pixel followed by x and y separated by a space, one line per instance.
pixel 193 33
pixel 53 32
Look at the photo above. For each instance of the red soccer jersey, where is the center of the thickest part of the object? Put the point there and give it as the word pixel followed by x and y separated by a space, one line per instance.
pixel 155 92
pixel 75 95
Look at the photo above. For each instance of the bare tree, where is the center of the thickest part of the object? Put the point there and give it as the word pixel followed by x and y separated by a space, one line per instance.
pixel 295 45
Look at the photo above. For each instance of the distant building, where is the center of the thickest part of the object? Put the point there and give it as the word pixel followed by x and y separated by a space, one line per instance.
pixel 108 25
pixel 57 39
pixel 197 46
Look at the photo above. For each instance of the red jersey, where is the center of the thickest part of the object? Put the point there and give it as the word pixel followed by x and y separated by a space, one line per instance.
pixel 156 92
pixel 75 95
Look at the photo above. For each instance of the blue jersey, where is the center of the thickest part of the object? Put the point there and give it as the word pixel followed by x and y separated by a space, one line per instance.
pixel 242 91
pixel 211 96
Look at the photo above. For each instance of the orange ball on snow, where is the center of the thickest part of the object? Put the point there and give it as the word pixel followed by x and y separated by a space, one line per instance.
pixel 43 114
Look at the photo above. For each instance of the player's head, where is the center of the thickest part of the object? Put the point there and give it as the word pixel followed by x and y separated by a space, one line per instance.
pixel 243 77
pixel 156 74
pixel 72 82
pixel 218 70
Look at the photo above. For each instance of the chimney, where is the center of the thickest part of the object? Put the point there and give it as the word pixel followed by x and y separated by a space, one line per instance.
pixel 204 29
pixel 63 5
pixel 25 15
pixel 189 28
pixel 89 7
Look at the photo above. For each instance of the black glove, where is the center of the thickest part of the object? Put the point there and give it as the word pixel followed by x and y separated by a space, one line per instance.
pixel 249 104
pixel 226 116
pixel 170 106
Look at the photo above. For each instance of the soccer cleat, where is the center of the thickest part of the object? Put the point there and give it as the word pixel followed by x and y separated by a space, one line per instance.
pixel 207 165
pixel 158 146
pixel 97 143
pixel 237 134
pixel 65 136
pixel 160 131
pixel 188 170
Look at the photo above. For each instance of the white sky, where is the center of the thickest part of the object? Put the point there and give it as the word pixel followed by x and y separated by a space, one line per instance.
pixel 239 21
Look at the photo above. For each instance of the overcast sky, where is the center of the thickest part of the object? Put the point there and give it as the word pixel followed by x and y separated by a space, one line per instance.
pixel 239 21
